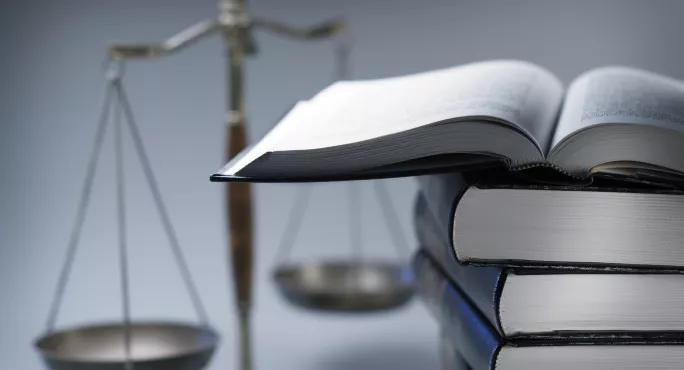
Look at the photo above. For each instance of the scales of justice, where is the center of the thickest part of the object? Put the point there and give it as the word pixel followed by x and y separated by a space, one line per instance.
pixel 353 285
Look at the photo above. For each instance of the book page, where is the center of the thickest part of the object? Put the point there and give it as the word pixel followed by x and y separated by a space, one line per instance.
pixel 516 93
pixel 624 96
pixel 297 113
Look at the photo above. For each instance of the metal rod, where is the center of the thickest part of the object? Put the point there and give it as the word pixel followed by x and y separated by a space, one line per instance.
pixel 319 31
pixel 293 224
pixel 121 222
pixel 355 231
pixel 83 203
pixel 391 221
pixel 175 43
pixel 160 205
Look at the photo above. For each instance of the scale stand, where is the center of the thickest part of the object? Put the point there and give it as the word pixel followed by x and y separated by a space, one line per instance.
pixel 235 25
pixel 129 344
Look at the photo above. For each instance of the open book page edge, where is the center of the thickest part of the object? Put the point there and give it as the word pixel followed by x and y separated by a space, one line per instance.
pixel 267 142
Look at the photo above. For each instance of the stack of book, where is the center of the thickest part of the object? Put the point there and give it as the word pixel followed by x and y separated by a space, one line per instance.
pixel 551 219
pixel 523 277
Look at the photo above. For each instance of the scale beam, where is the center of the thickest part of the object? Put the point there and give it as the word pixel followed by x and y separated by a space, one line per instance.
pixel 175 43
pixel 200 30
pixel 320 31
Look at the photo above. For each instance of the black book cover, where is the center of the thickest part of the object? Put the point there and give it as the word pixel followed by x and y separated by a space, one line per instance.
pixel 480 343
pixel 437 165
pixel 461 322
pixel 483 285
pixel 450 356
pixel 443 192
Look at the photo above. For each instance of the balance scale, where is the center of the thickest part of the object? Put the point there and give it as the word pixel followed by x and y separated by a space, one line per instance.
pixel 351 285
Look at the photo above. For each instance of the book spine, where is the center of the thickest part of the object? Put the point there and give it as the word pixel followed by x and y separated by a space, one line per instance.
pixel 429 285
pixel 449 356
pixel 482 285
pixel 462 323
pixel 442 193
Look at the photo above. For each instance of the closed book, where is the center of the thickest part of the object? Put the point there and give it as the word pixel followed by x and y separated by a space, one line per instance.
pixel 484 349
pixel 636 228
pixel 545 302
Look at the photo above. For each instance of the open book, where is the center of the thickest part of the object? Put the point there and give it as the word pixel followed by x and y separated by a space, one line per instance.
pixel 616 121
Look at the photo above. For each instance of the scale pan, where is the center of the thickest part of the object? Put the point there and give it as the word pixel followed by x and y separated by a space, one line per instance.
pixel 154 346
pixel 346 286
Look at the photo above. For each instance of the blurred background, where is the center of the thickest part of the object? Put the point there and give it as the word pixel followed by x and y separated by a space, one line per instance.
pixel 52 85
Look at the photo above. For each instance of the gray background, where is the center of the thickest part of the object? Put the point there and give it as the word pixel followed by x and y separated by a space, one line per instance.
pixel 52 87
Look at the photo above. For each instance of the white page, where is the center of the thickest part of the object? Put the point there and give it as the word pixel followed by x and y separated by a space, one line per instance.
pixel 296 114
pixel 622 95
pixel 348 112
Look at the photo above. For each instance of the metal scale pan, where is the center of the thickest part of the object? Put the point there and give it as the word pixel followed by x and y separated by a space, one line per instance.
pixel 346 286
pixel 354 285
pixel 153 345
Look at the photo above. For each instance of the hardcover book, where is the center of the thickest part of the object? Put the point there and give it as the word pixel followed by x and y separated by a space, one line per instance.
pixel 484 349
pixel 618 122
pixel 558 226
pixel 552 303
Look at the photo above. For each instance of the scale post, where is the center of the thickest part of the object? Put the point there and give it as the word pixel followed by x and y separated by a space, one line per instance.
pixel 235 25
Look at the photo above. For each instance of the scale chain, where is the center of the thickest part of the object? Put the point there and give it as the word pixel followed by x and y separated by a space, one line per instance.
pixel 391 220
pixel 294 223
pixel 343 72
pixel 121 222
pixel 159 203
pixel 355 214
pixel 116 103
pixel 83 203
